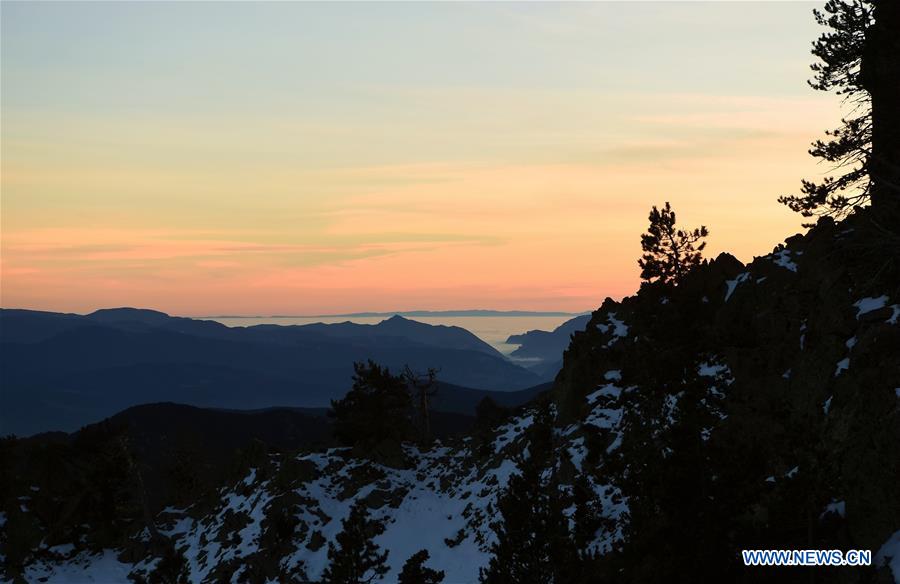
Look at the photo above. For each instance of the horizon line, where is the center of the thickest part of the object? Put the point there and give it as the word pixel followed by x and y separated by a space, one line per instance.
pixel 473 312
pixel 452 312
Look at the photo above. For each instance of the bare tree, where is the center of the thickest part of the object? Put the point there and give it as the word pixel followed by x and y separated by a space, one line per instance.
pixel 422 386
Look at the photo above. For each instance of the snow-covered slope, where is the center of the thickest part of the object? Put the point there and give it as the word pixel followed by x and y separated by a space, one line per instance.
pixel 443 500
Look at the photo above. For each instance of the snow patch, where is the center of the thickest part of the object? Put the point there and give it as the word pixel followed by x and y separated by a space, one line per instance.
pixel 783 259
pixel 605 418
pixel 63 549
pixel 512 431
pixel 732 284
pixel 621 329
pixel 618 327
pixel 670 406
pixel 577 451
pixel 869 304
pixel 711 370
pixel 842 365
pixel 617 441
pixel 895 315
pixel 101 567
pixel 608 390
pixel 889 555
pixel 838 507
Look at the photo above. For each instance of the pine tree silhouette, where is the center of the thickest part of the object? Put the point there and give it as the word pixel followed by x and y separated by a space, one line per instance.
pixel 669 253
pixel 356 559
pixel 840 52
pixel 859 59
pixel 376 409
pixel 416 572
pixel 587 514
pixel 533 540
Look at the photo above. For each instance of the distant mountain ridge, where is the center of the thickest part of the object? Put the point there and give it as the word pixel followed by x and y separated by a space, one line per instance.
pixel 31 326
pixel 542 351
pixel 472 312
pixel 547 345
pixel 60 371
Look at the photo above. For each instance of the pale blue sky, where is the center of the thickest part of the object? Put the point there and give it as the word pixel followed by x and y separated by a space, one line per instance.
pixel 322 58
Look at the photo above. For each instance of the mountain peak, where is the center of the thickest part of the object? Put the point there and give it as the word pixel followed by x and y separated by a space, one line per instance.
pixel 145 315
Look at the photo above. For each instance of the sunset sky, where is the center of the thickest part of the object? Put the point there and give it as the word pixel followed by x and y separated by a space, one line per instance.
pixel 308 158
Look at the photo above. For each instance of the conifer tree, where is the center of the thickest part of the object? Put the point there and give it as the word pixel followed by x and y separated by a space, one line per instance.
pixel 587 514
pixel 488 414
pixel 859 59
pixel 377 408
pixel 416 572
pixel 533 540
pixel 847 147
pixel 540 437
pixel 356 559
pixel 669 252
pixel 880 68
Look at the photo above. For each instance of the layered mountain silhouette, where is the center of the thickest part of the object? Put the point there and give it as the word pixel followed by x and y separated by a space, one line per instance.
pixel 32 326
pixel 542 351
pixel 61 371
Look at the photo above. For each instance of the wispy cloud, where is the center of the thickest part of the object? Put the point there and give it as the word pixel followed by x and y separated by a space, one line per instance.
pixel 275 162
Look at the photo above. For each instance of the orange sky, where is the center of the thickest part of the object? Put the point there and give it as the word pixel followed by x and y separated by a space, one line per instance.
pixel 312 159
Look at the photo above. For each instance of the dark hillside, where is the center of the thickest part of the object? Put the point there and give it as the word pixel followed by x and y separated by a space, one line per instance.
pixel 754 399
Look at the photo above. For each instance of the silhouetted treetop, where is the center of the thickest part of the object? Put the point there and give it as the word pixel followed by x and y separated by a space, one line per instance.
pixel 859 59
pixel 669 252
pixel 354 558
pixel 376 409
pixel 416 572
